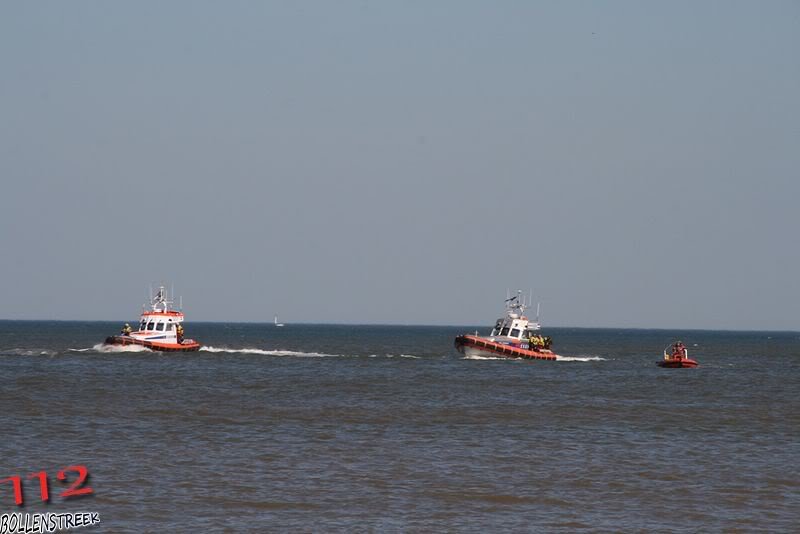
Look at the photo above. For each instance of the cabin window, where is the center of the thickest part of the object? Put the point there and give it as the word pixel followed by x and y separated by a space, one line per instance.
pixel 515 332
pixel 143 325
pixel 504 331
pixel 170 326
pixel 160 327
pixel 150 325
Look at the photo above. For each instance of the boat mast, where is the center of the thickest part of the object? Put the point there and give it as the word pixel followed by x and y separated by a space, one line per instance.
pixel 517 303
pixel 161 300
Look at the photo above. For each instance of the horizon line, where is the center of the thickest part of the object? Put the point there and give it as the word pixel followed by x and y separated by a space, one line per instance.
pixel 697 329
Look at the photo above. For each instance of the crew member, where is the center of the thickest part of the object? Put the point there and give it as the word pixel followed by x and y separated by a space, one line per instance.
pixel 179 333
pixel 126 330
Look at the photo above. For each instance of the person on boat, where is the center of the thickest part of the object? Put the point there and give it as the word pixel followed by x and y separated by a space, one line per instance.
pixel 548 342
pixel 179 333
pixel 679 350
pixel 126 330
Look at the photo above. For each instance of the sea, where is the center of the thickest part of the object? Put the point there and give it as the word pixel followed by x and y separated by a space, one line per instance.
pixel 369 428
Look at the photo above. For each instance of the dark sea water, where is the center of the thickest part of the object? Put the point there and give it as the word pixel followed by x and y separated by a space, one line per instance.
pixel 387 428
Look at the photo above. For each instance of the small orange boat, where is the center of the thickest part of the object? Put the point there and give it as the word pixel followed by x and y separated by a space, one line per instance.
pixel 679 359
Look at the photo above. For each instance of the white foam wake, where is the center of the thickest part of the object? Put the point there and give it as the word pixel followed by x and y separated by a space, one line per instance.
pixel 262 352
pixel 558 358
pixel 28 352
pixel 579 359
pixel 110 349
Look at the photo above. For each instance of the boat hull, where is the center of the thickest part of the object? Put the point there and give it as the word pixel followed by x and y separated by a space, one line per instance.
pixel 188 345
pixel 675 363
pixel 476 346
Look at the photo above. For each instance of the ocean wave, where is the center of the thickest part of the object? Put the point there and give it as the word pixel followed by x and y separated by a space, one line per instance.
pixel 262 352
pixel 476 357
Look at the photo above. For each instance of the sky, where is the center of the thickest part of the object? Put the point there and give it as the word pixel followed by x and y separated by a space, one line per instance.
pixel 635 164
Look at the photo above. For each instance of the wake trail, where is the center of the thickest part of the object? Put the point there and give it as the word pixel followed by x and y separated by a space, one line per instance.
pixel 580 359
pixel 102 348
pixel 262 352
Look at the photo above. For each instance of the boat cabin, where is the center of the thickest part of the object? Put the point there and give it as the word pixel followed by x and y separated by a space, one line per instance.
pixel 515 325
pixel 160 322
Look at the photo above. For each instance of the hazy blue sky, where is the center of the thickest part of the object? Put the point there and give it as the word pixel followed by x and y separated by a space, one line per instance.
pixel 635 163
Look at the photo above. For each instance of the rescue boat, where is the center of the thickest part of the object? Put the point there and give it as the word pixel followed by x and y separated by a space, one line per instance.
pixel 513 336
pixel 160 329
pixel 679 359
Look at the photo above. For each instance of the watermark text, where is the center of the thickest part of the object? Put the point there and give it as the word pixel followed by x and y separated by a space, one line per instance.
pixel 19 523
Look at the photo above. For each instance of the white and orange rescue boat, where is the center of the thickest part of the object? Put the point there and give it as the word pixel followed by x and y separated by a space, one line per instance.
pixel 160 329
pixel 513 336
